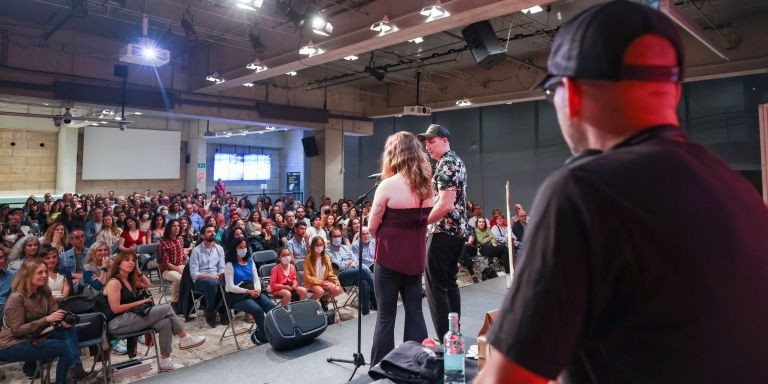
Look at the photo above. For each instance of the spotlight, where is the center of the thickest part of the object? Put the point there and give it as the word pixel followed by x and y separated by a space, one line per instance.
pixel 434 12
pixel 188 25
pixel 249 5
pixel 296 18
pixel 351 58
pixel 374 73
pixel 321 25
pixel 255 38
pixel 149 53
pixel 214 77
pixel 463 102
pixel 417 40
pixel 67 116
pixel 257 66
pixel 137 113
pixel 249 85
pixel 532 10
pixel 291 73
pixel 310 49
pixel 384 26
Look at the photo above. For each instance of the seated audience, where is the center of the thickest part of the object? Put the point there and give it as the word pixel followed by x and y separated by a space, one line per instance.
pixel 206 263
pixel 131 237
pixel 347 263
pixel 172 259
pixel 518 228
pixel 156 229
pixel 477 214
pixel 488 246
pixel 97 264
pixel 57 236
pixel 318 274
pixel 317 229
pixel 243 286
pixel 299 243
pixel 188 233
pixel 6 277
pixel 31 309
pixel 11 234
pixel 268 238
pixel 25 249
pixel 93 226
pixel 284 283
pixel 57 278
pixel 369 248
pixel 73 259
pixel 122 293
pixel 110 232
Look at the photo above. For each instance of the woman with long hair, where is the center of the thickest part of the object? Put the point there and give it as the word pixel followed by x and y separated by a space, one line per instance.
pixel 24 250
pixel 243 286
pixel 31 308
pixel 398 221
pixel 109 232
pixel 318 274
pixel 57 282
pixel 157 228
pixel 488 246
pixel 57 236
pixel 131 237
pixel 123 300
pixel 97 263
pixel 188 233
pixel 254 222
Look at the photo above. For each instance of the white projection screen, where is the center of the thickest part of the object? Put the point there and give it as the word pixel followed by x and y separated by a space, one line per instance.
pixel 112 154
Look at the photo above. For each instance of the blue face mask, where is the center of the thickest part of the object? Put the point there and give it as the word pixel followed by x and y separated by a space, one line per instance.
pixel 336 241
pixel 242 252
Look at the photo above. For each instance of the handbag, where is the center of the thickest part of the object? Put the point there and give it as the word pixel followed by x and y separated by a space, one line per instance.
pixel 235 297
pixel 76 304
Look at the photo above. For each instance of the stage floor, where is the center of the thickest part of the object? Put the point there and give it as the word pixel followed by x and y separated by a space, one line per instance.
pixel 261 364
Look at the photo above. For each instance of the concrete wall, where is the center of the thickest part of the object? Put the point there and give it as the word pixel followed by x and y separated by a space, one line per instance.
pixel 26 167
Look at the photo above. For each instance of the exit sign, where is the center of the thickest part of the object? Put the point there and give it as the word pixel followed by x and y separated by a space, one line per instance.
pixel 200 165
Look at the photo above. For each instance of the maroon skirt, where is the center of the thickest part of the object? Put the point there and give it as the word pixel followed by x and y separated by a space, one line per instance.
pixel 401 243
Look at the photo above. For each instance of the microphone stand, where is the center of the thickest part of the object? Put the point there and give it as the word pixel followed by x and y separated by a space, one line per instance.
pixel 357 357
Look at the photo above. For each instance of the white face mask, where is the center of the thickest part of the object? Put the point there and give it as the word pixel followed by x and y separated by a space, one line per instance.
pixel 319 250
pixel 336 241
pixel 145 216
pixel 10 238
pixel 285 259
pixel 241 252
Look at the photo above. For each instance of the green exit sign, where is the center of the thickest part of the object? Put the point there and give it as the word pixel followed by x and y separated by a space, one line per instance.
pixel 200 165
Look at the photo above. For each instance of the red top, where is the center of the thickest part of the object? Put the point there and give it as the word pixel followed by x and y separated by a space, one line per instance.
pixel 171 251
pixel 279 278
pixel 401 240
pixel 129 241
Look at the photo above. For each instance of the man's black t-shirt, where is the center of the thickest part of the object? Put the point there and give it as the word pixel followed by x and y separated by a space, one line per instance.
pixel 645 264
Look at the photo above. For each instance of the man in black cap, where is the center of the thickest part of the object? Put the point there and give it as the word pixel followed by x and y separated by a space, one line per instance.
pixel 449 229
pixel 616 283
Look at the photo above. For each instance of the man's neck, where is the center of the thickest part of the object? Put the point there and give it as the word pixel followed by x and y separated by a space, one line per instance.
pixel 76 250
pixel 208 244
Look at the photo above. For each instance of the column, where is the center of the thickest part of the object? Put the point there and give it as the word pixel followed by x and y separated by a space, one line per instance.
pixel 197 168
pixel 66 160
pixel 333 149
pixel 292 159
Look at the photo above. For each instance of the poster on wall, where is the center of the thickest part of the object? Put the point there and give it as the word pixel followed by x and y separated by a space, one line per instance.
pixel 294 181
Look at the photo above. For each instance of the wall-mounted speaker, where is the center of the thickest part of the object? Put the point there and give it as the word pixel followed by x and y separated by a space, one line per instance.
pixel 483 43
pixel 187 158
pixel 310 146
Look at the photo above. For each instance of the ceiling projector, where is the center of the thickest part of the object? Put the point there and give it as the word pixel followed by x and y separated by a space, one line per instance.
pixel 417 110
pixel 145 52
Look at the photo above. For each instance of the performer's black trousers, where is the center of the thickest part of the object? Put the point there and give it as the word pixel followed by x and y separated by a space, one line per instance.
pixel 387 284
pixel 443 253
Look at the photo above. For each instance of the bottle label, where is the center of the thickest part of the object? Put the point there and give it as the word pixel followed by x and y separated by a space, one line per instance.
pixel 453 362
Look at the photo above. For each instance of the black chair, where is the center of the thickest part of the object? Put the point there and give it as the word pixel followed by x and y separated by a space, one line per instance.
pixel 230 316
pixel 141 333
pixel 98 320
pixel 261 257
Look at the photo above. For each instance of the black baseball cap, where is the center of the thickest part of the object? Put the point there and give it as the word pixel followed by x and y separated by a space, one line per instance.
pixel 435 130
pixel 592 45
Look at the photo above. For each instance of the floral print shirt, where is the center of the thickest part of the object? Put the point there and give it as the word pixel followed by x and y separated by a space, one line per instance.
pixel 451 175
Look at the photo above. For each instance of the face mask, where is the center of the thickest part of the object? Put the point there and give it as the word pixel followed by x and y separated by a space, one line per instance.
pixel 241 252
pixel 287 259
pixel 336 241
pixel 145 216
pixel 10 238
pixel 318 250
pixel 164 212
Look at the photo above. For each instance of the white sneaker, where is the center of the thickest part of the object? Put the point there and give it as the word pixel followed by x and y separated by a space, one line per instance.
pixel 167 365
pixel 191 341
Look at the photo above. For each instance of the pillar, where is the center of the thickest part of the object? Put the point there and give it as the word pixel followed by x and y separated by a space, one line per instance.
pixel 292 159
pixel 333 149
pixel 197 168
pixel 66 160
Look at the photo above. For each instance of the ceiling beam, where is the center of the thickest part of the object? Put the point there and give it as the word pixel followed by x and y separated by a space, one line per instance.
pixel 410 25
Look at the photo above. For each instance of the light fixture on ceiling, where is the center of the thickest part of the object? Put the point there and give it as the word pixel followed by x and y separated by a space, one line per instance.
pixel 214 77
pixel 321 25
pixel 291 73
pixel 532 10
pixel 269 128
pixel 351 58
pixel 188 25
pixel 417 40
pixel 384 26
pixel 118 118
pixel 296 18
pixel 310 49
pixel 434 12
pixel 257 66
pixel 249 5
pixel 137 113
pixel 249 85
pixel 243 132
pixel 463 102
pixel 372 71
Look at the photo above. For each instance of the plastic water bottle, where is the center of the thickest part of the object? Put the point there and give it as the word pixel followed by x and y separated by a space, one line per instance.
pixel 453 342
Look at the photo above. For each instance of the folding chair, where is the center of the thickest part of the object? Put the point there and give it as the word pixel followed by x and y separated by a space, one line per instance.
pixel 98 342
pixel 267 256
pixel 299 264
pixel 197 303
pixel 231 316
pixel 164 287
pixel 265 274
pixel 151 250
pixel 141 333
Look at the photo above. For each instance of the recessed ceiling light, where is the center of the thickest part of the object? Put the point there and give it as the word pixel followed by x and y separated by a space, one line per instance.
pixel 269 128
pixel 291 73
pixel 434 12
pixel 350 58
pixel 310 50
pixel 417 40
pixel 532 10
pixel 249 85
pixel 384 26
pixel 250 5
pixel 214 77
pixel 257 66
pixel 463 102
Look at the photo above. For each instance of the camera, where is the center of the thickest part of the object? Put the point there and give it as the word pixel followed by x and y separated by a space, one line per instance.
pixel 70 318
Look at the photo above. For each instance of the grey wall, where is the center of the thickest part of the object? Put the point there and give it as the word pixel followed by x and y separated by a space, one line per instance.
pixel 522 142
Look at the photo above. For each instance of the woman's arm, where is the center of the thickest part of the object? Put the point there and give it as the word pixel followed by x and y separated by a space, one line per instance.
pixel 122 245
pixel 15 318
pixel 378 207
pixel 229 279
pixel 65 289
pixel 144 281
pixel 112 291
pixel 256 279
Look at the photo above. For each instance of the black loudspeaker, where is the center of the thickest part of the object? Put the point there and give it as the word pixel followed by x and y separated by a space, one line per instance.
pixel 310 146
pixel 295 324
pixel 483 43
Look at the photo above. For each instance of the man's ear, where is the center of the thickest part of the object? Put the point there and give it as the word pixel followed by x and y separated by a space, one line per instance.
pixel 573 95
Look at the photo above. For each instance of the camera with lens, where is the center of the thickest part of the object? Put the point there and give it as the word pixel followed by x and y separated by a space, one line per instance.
pixel 70 318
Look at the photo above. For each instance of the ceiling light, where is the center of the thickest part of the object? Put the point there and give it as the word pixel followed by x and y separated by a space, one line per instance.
pixel 269 128
pixel 434 12
pixel 463 102
pixel 384 26
pixel 321 25
pixel 417 40
pixel 291 73
pixel 257 66
pixel 250 5
pixel 249 85
pixel 214 77
pixel 118 118
pixel 296 18
pixel 351 58
pixel 310 49
pixel 149 52
pixel 532 10
pixel 138 113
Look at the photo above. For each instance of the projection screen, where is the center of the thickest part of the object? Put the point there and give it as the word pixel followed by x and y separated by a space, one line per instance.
pixel 112 154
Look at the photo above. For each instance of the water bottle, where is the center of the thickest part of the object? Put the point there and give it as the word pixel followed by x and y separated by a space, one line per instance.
pixel 453 344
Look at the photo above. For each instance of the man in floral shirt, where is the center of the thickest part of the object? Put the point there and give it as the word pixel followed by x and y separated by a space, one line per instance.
pixel 448 231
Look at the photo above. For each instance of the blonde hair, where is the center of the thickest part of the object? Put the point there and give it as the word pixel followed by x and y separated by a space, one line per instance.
pixel 22 283
pixel 403 154
pixel 91 257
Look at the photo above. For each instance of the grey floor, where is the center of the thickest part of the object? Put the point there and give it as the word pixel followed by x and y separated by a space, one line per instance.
pixel 264 365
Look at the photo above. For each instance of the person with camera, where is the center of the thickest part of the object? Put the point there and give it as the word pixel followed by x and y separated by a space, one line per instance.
pixel 129 310
pixel 35 329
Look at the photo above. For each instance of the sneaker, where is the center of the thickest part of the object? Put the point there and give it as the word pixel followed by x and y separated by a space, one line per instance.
pixel 190 341
pixel 167 365
pixel 120 349
pixel 77 373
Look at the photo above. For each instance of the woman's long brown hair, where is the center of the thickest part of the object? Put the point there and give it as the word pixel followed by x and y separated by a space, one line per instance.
pixel 114 269
pixel 403 153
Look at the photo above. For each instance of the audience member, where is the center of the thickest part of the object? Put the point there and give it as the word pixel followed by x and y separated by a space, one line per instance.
pixel 73 259
pixel 206 263
pixel 25 249
pixel 369 248
pixel 347 263
pixel 57 236
pixel 299 242
pixel 97 264
pixel 172 259
pixel 478 213
pixel 488 246
pixel 283 282
pixel 93 226
pixel 109 232
pixel 317 229
pixel 57 279
pixel 518 228
pixel 131 237
pixel 318 274
pixel 11 234
pixel 268 239
pixel 156 229
pixel 6 277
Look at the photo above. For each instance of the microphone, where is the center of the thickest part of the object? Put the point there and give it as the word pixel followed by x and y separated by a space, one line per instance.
pixel 375 176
